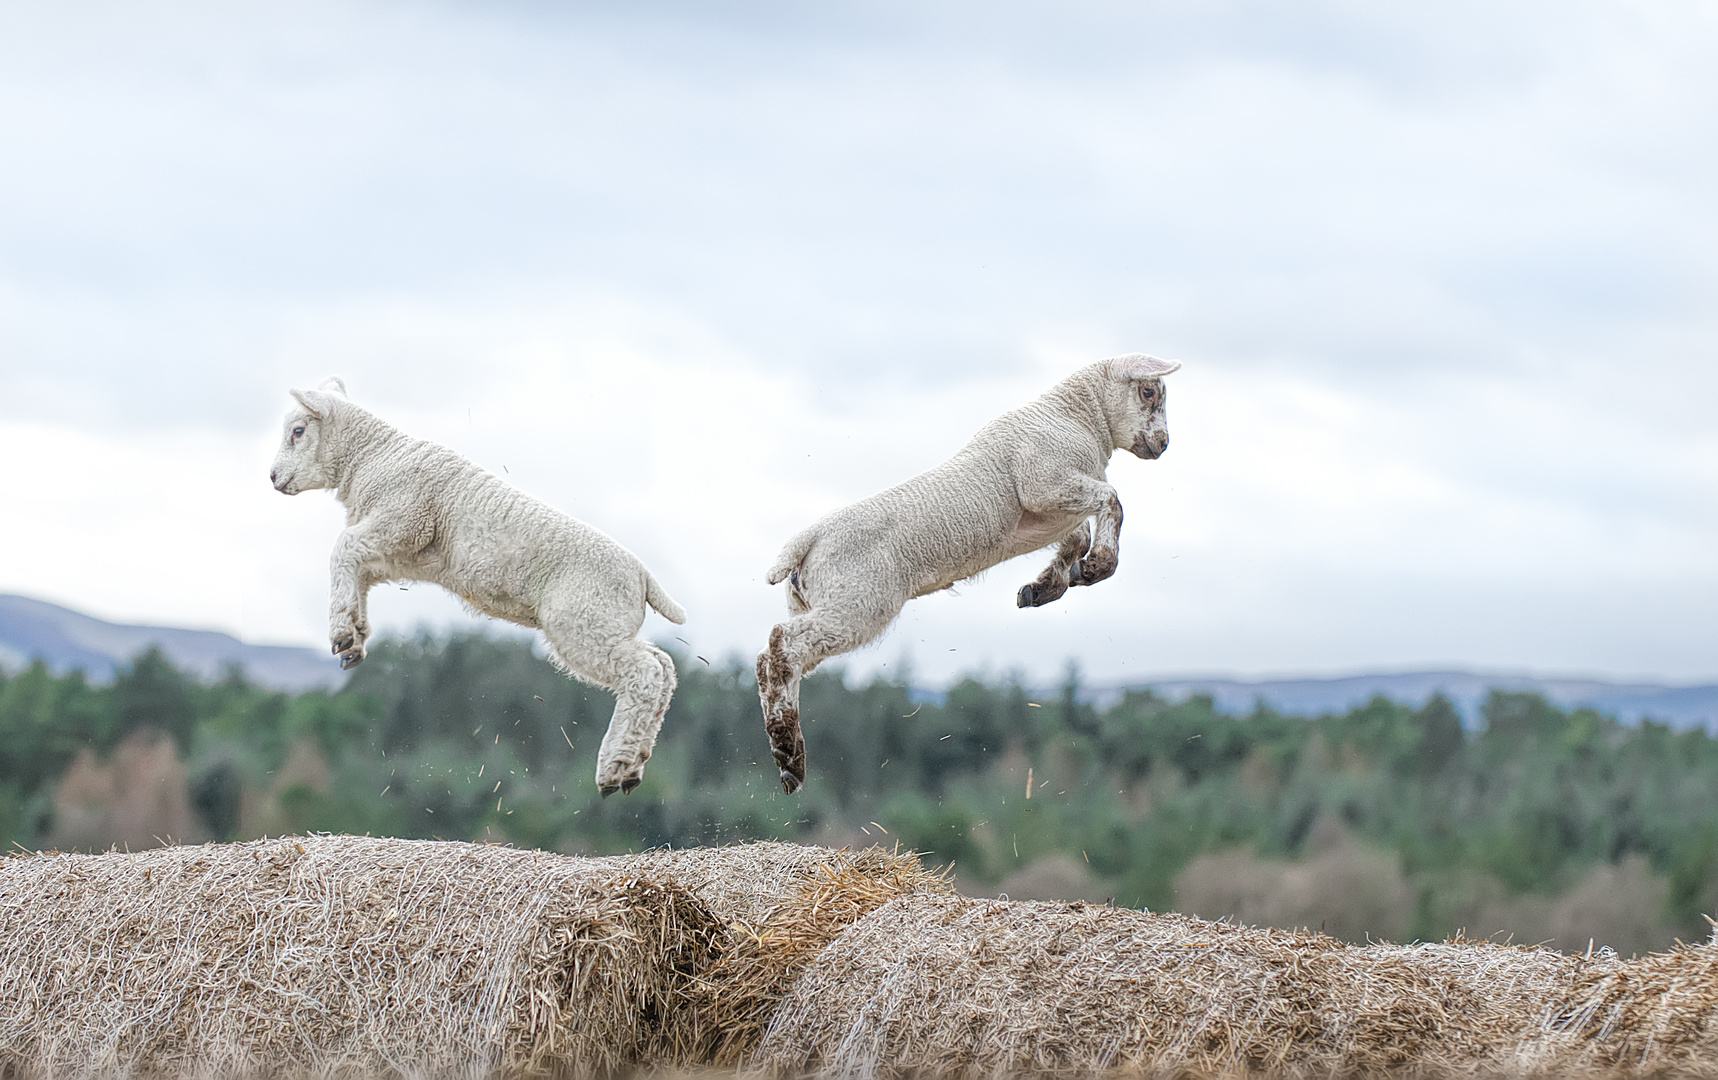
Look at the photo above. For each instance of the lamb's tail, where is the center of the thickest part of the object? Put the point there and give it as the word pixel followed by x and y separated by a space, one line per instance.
pixel 791 556
pixel 657 597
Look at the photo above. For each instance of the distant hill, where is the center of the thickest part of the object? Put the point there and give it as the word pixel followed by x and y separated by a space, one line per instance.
pixel 1681 706
pixel 66 639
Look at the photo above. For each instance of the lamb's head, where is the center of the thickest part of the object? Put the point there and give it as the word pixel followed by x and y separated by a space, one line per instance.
pixel 303 462
pixel 1134 402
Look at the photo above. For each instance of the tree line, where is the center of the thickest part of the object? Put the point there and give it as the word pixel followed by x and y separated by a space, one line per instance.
pixel 474 736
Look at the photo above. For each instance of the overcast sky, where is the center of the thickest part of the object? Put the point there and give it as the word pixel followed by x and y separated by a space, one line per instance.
pixel 1442 277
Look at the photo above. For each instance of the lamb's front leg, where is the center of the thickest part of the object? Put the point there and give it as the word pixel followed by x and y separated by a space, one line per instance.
pixel 351 574
pixel 1101 561
pixel 1054 581
pixel 1058 492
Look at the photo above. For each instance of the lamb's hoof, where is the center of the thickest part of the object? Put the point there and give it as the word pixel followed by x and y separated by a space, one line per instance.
pixel 1037 594
pixel 351 659
pixel 790 761
pixel 1096 566
pixel 605 790
pixel 626 786
pixel 342 644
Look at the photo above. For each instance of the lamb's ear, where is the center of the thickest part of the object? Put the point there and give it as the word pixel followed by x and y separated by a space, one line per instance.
pixel 1138 365
pixel 334 383
pixel 315 402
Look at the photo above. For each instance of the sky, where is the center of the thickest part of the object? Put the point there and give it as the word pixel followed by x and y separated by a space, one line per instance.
pixel 1441 277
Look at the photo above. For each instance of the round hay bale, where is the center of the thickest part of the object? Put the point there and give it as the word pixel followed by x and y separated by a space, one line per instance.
pixel 337 955
pixel 782 903
pixel 952 987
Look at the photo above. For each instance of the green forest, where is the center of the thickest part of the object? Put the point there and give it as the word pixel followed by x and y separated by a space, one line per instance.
pixel 474 737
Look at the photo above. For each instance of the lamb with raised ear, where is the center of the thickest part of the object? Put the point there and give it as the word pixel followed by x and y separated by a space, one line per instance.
pixel 417 511
pixel 1029 479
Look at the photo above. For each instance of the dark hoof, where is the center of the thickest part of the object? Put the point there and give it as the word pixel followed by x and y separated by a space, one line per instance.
pixel 791 765
pixel 605 790
pixel 626 786
pixel 1039 593
pixel 348 661
pixel 341 645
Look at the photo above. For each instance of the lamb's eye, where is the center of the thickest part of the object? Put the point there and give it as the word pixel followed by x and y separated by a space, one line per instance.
pixel 1147 394
pixel 297 432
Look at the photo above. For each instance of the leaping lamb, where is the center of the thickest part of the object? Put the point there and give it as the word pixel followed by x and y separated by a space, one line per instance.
pixel 417 511
pixel 1030 478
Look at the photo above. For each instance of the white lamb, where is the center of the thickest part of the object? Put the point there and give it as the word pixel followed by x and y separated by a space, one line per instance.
pixel 417 511
pixel 1031 478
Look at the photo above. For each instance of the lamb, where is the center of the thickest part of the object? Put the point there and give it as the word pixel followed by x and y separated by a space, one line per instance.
pixel 1031 478
pixel 418 511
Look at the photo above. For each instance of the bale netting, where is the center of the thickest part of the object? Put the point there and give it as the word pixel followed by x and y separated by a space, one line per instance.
pixel 946 986
pixel 1655 1015
pixel 337 955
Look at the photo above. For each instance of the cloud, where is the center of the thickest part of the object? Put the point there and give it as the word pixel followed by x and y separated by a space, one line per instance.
pixel 1441 276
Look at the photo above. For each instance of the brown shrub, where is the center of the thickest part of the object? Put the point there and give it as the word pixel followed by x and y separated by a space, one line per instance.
pixel 267 810
pixel 1052 877
pixel 137 798
pixel 1345 890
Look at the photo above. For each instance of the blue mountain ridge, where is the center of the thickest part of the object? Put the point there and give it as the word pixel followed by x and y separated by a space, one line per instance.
pixel 1678 706
pixel 67 639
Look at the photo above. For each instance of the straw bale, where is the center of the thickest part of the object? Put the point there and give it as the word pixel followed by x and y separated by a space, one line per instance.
pixel 336 955
pixel 1654 1015
pixel 953 987
pixel 781 904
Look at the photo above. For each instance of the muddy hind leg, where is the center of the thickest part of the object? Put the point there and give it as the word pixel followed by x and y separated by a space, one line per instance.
pixel 795 648
pixel 1054 581
pixel 778 693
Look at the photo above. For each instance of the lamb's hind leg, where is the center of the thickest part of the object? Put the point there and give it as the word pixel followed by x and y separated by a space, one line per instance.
pixel 640 676
pixel 642 684
pixel 1054 581
pixel 795 648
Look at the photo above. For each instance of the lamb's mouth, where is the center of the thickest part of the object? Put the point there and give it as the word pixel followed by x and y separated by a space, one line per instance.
pixel 1142 448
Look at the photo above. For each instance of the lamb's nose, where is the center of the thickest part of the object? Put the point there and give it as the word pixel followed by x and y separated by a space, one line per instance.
pixel 273 478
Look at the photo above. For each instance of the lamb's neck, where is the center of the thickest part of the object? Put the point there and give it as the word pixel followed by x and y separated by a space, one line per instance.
pixel 365 440
pixel 1080 396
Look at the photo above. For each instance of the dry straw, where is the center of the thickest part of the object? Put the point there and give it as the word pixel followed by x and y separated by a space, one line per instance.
pixel 781 903
pixel 945 986
pixel 743 883
pixel 336 955
pixel 1655 1015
